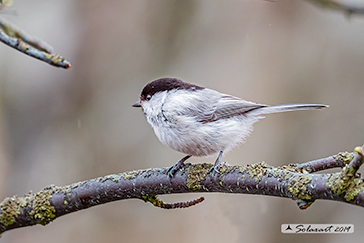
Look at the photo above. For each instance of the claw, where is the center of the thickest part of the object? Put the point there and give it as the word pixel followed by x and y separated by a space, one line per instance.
pixel 171 171
pixel 177 166
pixel 213 170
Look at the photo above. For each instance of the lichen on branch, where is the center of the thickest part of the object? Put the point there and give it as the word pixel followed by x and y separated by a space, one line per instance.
pixel 290 181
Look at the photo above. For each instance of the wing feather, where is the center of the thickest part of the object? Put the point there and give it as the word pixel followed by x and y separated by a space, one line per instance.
pixel 229 106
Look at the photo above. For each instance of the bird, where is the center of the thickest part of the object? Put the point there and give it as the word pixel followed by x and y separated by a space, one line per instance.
pixel 199 121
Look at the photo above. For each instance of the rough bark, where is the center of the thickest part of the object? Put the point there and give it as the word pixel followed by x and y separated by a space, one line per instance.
pixel 293 181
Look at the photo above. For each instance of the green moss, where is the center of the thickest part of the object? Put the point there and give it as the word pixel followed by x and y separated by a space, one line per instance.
pixel 113 177
pixel 346 157
pixel 223 169
pixel 345 182
pixel 296 178
pixel 351 193
pixel 42 211
pixel 130 175
pixel 296 183
pixel 242 169
pixel 197 173
pixel 336 183
pixel 154 200
pixel 257 170
pixel 297 186
pixel 10 208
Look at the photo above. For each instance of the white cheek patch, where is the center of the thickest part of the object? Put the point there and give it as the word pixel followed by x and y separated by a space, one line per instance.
pixel 153 106
pixel 153 109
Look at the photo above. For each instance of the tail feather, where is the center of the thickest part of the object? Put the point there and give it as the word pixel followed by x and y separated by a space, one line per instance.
pixel 289 107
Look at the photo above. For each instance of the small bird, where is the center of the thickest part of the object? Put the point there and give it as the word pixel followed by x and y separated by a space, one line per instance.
pixel 198 121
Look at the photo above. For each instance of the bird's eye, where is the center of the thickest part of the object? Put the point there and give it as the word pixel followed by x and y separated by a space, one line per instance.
pixel 148 97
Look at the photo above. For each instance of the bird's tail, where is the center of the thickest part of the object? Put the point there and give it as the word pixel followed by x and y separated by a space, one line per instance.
pixel 289 107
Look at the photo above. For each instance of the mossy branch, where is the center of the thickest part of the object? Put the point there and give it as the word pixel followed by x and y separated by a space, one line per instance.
pixel 293 181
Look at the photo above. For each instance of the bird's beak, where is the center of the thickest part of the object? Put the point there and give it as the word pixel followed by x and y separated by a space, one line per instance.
pixel 137 104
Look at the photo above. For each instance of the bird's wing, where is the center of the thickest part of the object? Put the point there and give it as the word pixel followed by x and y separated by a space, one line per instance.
pixel 229 106
pixel 198 105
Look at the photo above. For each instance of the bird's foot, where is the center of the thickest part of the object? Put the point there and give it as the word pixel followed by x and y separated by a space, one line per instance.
pixel 177 166
pixel 215 169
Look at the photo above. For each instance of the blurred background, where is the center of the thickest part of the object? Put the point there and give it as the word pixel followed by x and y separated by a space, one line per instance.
pixel 62 126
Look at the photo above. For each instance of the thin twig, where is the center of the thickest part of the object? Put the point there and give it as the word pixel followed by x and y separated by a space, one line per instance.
pixel 347 6
pixel 338 160
pixel 34 47
pixel 358 159
pixel 12 31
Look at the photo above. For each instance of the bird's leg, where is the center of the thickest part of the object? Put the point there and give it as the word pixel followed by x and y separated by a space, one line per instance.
pixel 216 165
pixel 173 169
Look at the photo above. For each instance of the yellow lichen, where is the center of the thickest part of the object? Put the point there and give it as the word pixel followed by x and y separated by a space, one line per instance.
pixel 10 208
pixel 257 170
pixel 346 157
pixel 42 211
pixel 22 45
pixel 154 200
pixel 113 177
pixel 297 186
pixel 197 173
pixel 130 175
pixel 56 58
pixel 242 169
pixel 345 182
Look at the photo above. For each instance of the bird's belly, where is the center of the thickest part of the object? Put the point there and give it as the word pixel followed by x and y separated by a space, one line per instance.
pixel 189 142
pixel 202 140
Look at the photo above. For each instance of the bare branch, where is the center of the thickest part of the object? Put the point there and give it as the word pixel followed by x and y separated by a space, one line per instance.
pixel 358 159
pixel 13 31
pixel 32 46
pixel 339 160
pixel 347 6
pixel 286 181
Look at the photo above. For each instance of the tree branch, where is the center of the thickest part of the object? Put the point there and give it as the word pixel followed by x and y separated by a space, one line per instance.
pixel 347 6
pixel 291 181
pixel 339 160
pixel 30 45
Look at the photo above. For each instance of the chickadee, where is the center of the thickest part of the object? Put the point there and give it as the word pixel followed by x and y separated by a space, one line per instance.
pixel 198 121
